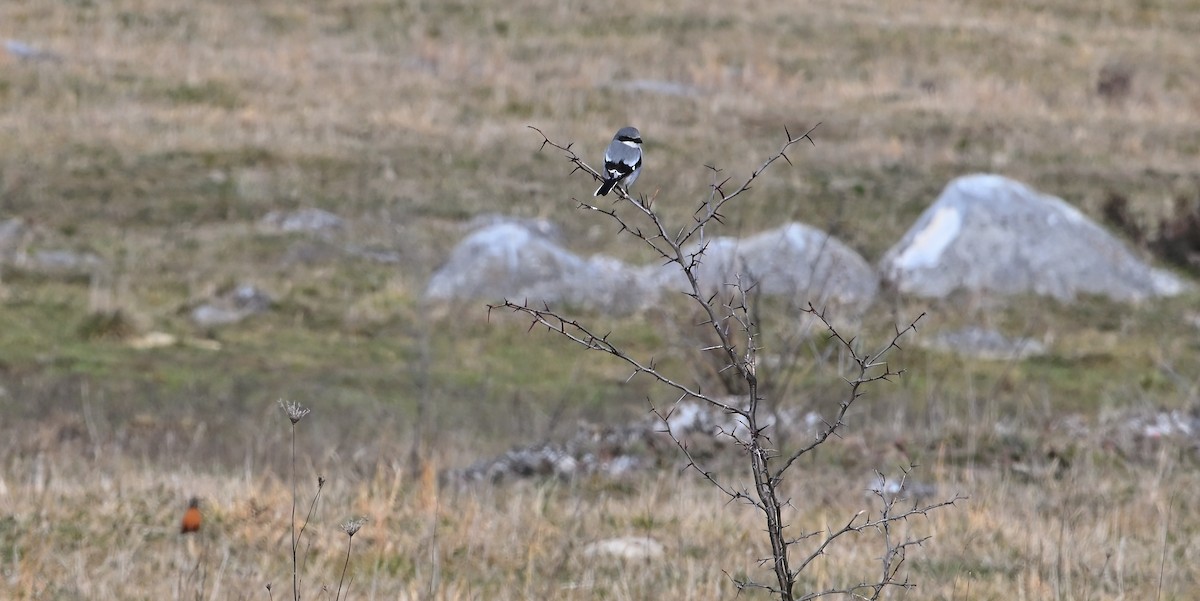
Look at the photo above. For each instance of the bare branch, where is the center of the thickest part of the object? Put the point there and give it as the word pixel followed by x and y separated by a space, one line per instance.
pixel 580 334
pixel 734 322
pixel 865 364
pixel 734 495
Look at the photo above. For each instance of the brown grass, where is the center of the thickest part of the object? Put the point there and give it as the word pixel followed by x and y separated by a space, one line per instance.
pixel 168 128
pixel 107 527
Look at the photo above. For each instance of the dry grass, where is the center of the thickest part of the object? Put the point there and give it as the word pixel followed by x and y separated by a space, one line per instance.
pixel 84 526
pixel 166 129
pixel 366 106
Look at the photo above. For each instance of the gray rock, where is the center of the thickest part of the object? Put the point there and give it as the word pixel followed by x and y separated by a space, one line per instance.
pixel 987 233
pixel 543 227
pixel 508 260
pixel 795 260
pixel 1143 433
pixel 660 87
pixel 16 238
pixel 1166 423
pixel 589 450
pixel 638 445
pixel 25 51
pixel 633 548
pixel 232 307
pixel 63 262
pixel 983 343
pixel 316 221
pixel 14 235
pixel 899 488
pixel 693 419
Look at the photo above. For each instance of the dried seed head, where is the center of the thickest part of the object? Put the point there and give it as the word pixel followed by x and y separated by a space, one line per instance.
pixel 351 528
pixel 293 410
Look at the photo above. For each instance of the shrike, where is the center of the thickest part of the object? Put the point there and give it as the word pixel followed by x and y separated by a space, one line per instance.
pixel 622 161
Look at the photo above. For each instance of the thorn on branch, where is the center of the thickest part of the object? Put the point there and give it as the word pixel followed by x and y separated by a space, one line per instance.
pixel 808 136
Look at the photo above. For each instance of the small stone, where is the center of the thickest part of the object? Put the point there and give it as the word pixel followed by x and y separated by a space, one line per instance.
pixel 628 548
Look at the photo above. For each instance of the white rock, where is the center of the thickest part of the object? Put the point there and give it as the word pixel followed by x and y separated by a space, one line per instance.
pixel 793 261
pixel 509 260
pixel 991 234
pixel 629 547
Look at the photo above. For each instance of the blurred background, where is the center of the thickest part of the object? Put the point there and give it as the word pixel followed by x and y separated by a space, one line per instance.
pixel 166 275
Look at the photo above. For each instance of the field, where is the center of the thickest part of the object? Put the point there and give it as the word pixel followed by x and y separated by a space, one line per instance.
pixel 155 135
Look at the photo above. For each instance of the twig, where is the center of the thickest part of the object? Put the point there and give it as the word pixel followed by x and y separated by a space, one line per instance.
pixel 736 327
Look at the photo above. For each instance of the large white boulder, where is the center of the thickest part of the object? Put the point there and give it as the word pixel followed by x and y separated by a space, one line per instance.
pixel 794 261
pixel 511 260
pixel 991 234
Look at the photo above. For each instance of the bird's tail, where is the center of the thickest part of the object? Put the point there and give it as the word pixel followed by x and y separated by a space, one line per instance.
pixel 605 187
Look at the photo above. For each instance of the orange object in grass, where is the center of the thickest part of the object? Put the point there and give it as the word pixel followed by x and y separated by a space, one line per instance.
pixel 191 517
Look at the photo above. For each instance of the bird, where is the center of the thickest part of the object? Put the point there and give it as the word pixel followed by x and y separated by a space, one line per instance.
pixel 191 517
pixel 622 161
